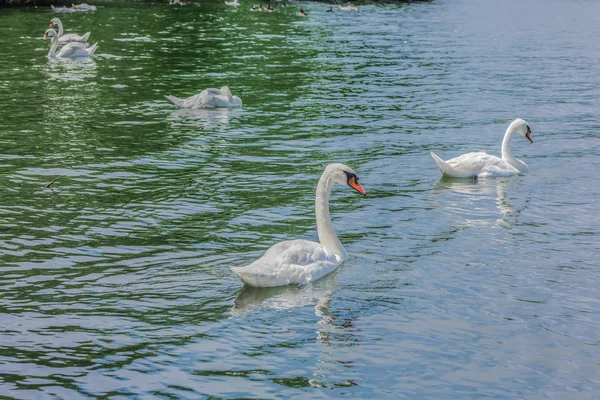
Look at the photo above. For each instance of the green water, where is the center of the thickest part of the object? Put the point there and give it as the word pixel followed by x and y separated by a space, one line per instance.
pixel 116 282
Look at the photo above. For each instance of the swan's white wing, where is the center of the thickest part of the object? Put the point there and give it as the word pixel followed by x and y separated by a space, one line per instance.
pixel 74 49
pixel 289 262
pixel 222 101
pixel 72 37
pixel 201 100
pixel 481 164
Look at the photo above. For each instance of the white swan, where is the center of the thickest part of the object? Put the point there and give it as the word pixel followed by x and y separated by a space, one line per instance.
pixel 348 8
pixel 209 98
pixel 69 37
pixel 63 9
pixel 480 164
pixel 69 50
pixel 83 7
pixel 234 3
pixel 303 261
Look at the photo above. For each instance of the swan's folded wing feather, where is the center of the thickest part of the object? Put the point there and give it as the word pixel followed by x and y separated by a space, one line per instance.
pixel 289 262
pixel 481 164
pixel 73 48
pixel 199 100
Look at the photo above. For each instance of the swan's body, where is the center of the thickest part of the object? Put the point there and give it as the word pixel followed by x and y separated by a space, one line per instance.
pixel 481 165
pixel 348 8
pixel 70 50
pixel 68 37
pixel 303 261
pixel 84 7
pixel 209 98
pixel 63 9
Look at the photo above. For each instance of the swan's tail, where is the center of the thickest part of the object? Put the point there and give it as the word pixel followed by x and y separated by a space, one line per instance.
pixel 178 102
pixel 444 167
pixel 85 37
pixel 92 49
pixel 246 276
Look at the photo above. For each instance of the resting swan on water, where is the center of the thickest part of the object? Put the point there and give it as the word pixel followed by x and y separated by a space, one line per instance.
pixel 480 164
pixel 68 37
pixel 209 98
pixel 69 50
pixel 302 261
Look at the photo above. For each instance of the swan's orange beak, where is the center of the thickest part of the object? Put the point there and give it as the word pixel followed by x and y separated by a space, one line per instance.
pixel 45 36
pixel 528 135
pixel 50 25
pixel 354 185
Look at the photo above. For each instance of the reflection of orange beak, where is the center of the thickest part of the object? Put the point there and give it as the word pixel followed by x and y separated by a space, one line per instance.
pixel 354 185
pixel 528 136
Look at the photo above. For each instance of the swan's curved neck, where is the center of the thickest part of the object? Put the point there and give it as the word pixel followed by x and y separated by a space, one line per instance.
pixel 60 27
pixel 52 51
pixel 506 156
pixel 327 236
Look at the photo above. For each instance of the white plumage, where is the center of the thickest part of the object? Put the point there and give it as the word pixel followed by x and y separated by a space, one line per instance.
pixel 303 261
pixel 67 37
pixel 209 98
pixel 70 50
pixel 289 262
pixel 481 164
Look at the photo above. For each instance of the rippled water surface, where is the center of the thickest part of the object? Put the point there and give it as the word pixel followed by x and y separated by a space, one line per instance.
pixel 116 282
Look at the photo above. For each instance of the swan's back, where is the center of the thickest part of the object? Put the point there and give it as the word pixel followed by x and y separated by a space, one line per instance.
pixel 478 164
pixel 289 262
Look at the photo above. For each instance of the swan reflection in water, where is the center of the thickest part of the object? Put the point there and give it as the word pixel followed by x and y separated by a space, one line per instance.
pixel 204 117
pixel 482 190
pixel 317 293
pixel 336 326
pixel 70 69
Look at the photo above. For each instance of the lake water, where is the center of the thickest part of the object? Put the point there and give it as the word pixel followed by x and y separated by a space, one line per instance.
pixel 117 283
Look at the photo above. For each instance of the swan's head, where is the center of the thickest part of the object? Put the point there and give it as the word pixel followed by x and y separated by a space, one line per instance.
pixel 520 126
pixel 50 33
pixel 342 174
pixel 54 21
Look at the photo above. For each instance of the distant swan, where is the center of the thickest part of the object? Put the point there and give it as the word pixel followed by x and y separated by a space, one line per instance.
pixel 68 37
pixel 348 8
pixel 209 98
pixel 70 50
pixel 302 13
pixel 234 3
pixel 302 261
pixel 480 164
pixel 63 9
pixel 84 7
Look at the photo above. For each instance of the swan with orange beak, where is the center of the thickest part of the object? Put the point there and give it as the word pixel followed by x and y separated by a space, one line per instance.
pixel 302 261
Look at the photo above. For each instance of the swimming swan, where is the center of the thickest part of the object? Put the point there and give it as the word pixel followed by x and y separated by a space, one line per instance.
pixel 209 98
pixel 480 164
pixel 302 261
pixel 348 8
pixel 69 50
pixel 69 37
pixel 83 7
